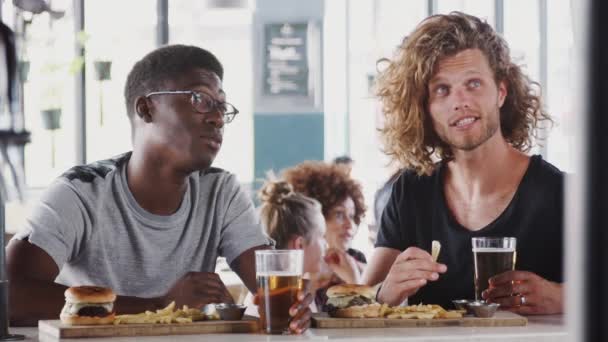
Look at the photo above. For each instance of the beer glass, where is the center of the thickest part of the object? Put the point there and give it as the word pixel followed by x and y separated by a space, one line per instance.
pixel 279 279
pixel 492 256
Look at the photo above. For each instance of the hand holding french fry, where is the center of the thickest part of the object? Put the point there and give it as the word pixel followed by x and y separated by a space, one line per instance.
pixel 411 270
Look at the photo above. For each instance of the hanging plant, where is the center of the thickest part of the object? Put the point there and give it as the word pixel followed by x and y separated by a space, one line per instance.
pixel 51 121
pixel 51 118
pixel 24 70
pixel 103 72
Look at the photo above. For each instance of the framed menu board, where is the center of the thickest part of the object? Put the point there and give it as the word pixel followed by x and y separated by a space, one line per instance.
pixel 286 69
pixel 290 68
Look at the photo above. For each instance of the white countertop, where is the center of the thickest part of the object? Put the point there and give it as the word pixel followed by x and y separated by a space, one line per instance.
pixel 539 328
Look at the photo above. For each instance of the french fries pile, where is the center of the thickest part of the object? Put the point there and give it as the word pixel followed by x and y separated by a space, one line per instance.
pixel 420 311
pixel 165 316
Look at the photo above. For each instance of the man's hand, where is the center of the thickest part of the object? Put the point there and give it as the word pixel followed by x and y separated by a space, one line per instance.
pixel 343 265
pixel 196 289
pixel 525 293
pixel 411 270
pixel 300 313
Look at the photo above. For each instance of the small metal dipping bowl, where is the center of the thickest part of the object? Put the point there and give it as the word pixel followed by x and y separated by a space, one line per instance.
pixel 483 309
pixel 230 312
pixel 463 304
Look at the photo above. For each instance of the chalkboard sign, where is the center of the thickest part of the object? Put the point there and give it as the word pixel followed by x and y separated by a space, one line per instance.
pixel 286 70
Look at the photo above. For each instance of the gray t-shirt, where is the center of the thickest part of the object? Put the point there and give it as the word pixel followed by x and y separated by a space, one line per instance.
pixel 90 224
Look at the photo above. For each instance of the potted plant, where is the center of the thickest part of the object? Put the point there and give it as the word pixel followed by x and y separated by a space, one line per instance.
pixel 102 63
pixel 23 68
pixel 103 70
pixel 51 103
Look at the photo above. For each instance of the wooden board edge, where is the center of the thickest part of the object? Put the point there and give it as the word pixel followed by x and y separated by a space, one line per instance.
pixel 325 322
pixel 54 330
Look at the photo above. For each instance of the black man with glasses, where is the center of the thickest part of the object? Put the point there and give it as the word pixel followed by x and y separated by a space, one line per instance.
pixel 149 223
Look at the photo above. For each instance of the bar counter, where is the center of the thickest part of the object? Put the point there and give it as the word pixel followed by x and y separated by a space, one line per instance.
pixel 539 328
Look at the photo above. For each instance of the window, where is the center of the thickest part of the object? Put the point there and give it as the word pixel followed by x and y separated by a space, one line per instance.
pixel 48 51
pixel 480 8
pixel 227 33
pixel 561 86
pixel 115 40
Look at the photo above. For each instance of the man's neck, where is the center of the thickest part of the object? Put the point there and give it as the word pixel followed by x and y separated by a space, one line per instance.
pixel 491 168
pixel 157 188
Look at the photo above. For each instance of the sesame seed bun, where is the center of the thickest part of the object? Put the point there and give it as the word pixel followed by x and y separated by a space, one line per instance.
pixel 89 294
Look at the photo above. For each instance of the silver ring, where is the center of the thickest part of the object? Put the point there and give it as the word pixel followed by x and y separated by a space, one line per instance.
pixel 522 300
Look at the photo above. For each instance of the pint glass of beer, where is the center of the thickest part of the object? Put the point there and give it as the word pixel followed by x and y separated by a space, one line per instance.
pixel 492 256
pixel 279 278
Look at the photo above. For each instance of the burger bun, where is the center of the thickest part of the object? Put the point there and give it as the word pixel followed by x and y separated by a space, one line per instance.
pixel 89 294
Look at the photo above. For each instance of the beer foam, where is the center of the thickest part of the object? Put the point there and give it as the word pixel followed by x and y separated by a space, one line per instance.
pixel 492 250
pixel 279 274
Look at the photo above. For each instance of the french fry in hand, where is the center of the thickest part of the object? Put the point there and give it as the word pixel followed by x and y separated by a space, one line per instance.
pixel 435 248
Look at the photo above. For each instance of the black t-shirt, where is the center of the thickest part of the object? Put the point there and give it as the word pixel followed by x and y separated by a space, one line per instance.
pixel 417 214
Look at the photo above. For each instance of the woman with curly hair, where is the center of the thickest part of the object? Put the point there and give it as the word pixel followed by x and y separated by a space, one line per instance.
pixel 460 116
pixel 343 207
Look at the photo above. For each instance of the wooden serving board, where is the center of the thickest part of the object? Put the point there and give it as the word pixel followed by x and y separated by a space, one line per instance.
pixel 500 319
pixel 57 329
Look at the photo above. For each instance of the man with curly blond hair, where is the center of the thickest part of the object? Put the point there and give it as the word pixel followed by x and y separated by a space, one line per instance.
pixel 460 117
pixel 343 207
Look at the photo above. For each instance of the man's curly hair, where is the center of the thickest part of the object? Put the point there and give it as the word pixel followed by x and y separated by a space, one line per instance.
pixel 402 87
pixel 329 184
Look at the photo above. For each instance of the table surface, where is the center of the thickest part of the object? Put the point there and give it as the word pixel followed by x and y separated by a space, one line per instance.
pixel 539 328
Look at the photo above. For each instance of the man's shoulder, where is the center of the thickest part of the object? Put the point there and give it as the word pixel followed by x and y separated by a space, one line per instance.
pixel 97 170
pixel 214 174
pixel 411 178
pixel 545 172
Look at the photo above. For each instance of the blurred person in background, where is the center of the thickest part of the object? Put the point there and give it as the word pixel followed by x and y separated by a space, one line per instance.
pixel 381 197
pixel 293 221
pixel 460 116
pixel 343 207
pixel 344 161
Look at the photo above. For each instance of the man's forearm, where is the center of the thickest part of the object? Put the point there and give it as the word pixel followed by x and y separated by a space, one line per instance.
pixel 32 300
pixel 244 266
pixel 131 305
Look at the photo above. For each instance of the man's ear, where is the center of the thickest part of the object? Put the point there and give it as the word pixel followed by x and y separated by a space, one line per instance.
pixel 142 109
pixel 502 92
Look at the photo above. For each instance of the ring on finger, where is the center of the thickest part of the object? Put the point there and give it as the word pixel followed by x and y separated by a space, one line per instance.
pixel 522 300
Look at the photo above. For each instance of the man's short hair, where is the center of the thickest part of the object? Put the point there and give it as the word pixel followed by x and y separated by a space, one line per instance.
pixel 408 134
pixel 166 63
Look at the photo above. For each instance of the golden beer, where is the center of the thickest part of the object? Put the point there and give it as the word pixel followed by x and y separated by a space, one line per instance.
pixel 277 293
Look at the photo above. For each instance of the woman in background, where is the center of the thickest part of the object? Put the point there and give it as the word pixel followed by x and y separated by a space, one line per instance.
pixel 293 221
pixel 343 207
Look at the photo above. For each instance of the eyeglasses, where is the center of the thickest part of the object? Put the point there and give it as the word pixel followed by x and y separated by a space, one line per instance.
pixel 204 104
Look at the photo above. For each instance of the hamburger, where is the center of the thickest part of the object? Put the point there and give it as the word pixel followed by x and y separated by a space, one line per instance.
pixel 85 305
pixel 352 301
